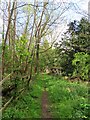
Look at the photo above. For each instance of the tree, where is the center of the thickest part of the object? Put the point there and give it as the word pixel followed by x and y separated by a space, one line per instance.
pixel 5 39
pixel 78 36
pixel 75 39
pixel 47 58
pixel 81 62
pixel 30 24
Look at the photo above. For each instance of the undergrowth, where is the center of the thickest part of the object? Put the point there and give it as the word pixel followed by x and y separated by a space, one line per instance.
pixel 28 104
pixel 67 99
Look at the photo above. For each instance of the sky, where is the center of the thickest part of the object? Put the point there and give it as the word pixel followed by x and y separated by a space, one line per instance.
pixel 81 5
pixel 71 15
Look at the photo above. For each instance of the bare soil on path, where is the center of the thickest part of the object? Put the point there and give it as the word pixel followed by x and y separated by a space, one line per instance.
pixel 45 105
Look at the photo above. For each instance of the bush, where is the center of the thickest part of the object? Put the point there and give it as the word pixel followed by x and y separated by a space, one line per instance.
pixel 82 65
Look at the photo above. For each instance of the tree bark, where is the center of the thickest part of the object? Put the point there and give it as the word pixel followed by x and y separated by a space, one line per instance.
pixel 8 36
pixel 4 41
pixel 38 38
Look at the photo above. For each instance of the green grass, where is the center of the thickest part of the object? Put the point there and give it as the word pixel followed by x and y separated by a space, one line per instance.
pixel 29 103
pixel 66 99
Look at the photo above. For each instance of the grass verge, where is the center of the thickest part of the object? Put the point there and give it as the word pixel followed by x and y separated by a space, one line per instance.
pixel 67 99
pixel 28 105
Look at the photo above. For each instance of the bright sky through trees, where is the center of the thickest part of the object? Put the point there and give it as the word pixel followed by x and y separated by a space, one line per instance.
pixel 78 9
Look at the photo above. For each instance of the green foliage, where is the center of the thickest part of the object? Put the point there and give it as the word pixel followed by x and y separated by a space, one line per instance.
pixel 75 39
pixel 27 9
pixel 47 56
pixel 0 49
pixel 21 48
pixel 79 36
pixel 65 61
pixel 82 65
pixel 8 60
pixel 15 58
pixel 67 100
pixel 28 105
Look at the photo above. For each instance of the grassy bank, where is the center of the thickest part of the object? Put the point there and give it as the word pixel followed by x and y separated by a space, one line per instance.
pixel 67 99
pixel 29 103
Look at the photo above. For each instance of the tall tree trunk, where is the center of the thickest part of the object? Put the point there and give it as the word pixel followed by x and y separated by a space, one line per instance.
pixel 15 16
pixel 3 27
pixel 4 41
pixel 38 38
pixel 37 56
pixel 14 33
pixel 9 4
pixel 31 35
pixel 31 67
pixel 13 44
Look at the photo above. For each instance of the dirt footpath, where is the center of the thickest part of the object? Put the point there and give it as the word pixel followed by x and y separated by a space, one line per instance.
pixel 45 110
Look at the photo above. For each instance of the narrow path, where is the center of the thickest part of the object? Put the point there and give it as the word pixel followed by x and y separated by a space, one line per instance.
pixel 45 110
